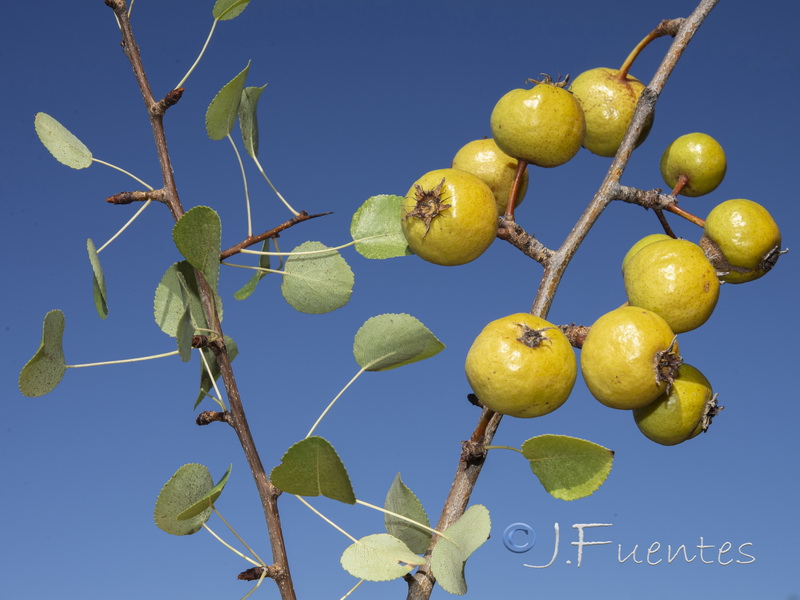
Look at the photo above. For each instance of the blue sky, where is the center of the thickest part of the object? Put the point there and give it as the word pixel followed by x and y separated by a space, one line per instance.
pixel 363 98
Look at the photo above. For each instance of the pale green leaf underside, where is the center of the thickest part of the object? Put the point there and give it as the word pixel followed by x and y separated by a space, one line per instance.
pixel 62 144
pixel 248 118
pixel 225 10
pixel 463 537
pixel 569 468
pixel 403 501
pixel 221 113
pixel 99 281
pixel 311 467
pixel 379 216
pixel 316 283
pixel 211 358
pixel 42 373
pixel 208 500
pixel 379 557
pixel 187 486
pixel 178 286
pixel 250 287
pixel 198 235
pixel 393 340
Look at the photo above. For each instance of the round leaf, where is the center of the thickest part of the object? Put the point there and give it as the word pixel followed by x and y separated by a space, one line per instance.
pixel 189 485
pixel 316 283
pixel 65 147
pixel 208 500
pixel 392 340
pixel 198 235
pixel 463 537
pixel 379 557
pixel 376 227
pixel 312 468
pixel 42 373
pixel 569 468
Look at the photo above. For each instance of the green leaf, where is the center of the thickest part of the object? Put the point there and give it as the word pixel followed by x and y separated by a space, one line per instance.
pixel 42 373
pixel 248 119
pixel 185 335
pixel 449 555
pixel 208 500
pixel 312 468
pixel 316 283
pixel 392 340
pixel 250 287
pixel 569 468
pixel 211 358
pixel 221 113
pixel 402 501
pixel 65 147
pixel 198 235
pixel 225 10
pixel 99 280
pixel 379 216
pixel 379 557
pixel 177 286
pixel 188 486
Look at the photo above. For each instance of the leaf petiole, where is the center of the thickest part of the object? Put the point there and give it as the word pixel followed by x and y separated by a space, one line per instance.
pixel 124 360
pixel 246 191
pixel 199 56
pixel 503 448
pixel 326 519
pixel 332 402
pixel 404 518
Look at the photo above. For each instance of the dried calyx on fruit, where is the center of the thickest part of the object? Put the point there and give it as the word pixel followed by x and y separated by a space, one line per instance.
pixel 683 412
pixel 629 357
pixel 741 240
pixel 521 365
pixel 449 217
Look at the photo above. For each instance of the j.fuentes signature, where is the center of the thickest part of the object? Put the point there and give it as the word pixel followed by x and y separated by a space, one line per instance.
pixel 520 537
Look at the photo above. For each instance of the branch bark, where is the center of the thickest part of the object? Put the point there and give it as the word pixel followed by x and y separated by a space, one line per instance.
pixel 420 585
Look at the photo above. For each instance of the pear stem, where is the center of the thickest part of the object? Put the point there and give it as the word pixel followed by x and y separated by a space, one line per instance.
pixel 675 209
pixel 515 187
pixel 664 223
pixel 666 27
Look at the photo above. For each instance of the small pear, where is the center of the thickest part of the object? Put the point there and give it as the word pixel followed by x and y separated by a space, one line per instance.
pixel 675 280
pixel 682 413
pixel 608 102
pixel 699 158
pixel 496 168
pixel 544 125
pixel 742 240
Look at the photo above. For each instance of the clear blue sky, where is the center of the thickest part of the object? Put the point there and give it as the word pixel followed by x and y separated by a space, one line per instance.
pixel 363 98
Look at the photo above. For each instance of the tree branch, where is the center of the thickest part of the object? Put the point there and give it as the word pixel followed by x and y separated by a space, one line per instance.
pixel 421 584
pixel 303 216
pixel 266 491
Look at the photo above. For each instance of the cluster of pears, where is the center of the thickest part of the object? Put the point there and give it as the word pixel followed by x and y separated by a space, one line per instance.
pixel 450 215
pixel 524 366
